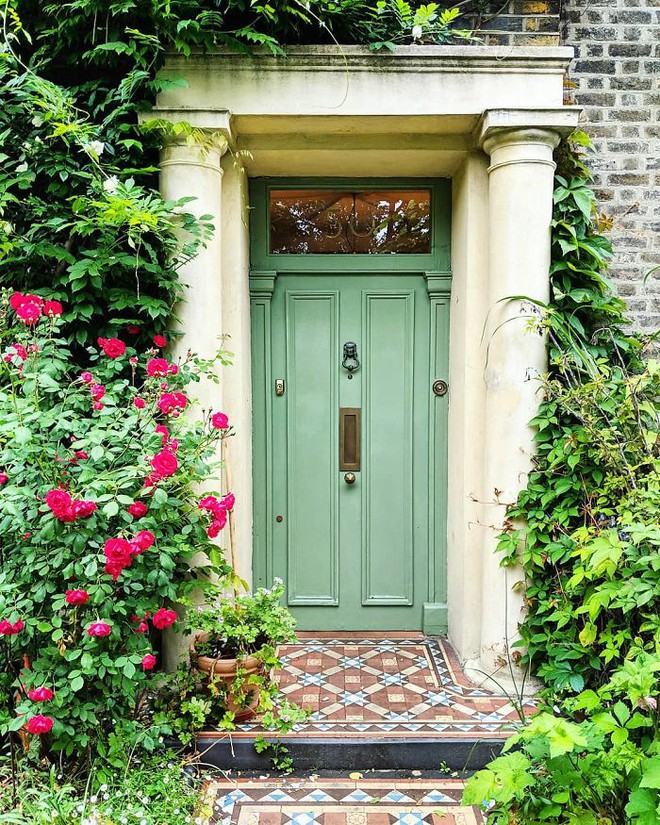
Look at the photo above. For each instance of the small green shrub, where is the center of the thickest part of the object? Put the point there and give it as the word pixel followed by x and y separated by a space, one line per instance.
pixel 597 763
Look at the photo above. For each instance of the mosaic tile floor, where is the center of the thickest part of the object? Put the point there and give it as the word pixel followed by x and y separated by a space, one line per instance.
pixel 372 801
pixel 366 685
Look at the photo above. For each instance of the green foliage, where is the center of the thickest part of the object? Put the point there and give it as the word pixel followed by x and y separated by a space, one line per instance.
pixel 150 788
pixel 249 625
pixel 598 763
pixel 55 439
pixel 586 525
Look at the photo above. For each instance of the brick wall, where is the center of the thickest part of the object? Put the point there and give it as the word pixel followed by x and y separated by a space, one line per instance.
pixel 616 73
pixel 617 81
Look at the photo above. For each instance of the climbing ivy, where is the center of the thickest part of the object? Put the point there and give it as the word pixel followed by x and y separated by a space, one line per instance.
pixel 586 525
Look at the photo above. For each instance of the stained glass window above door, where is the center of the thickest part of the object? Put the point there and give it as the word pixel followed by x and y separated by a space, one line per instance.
pixel 344 222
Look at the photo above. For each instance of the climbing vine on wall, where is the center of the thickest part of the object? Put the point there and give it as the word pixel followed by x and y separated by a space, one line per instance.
pixel 587 521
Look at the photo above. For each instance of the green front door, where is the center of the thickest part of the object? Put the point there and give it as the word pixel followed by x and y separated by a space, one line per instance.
pixel 350 442
pixel 351 544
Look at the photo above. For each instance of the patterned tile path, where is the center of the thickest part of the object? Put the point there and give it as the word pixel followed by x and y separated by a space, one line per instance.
pixel 367 685
pixel 373 801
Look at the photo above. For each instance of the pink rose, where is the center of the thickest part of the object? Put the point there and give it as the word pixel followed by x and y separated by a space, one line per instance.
pixel 29 313
pixel 59 501
pixel 160 341
pixel 87 377
pixel 137 509
pixel 40 724
pixel 216 525
pixel 139 403
pixel 172 369
pixel 52 308
pixel 220 421
pixel 83 509
pixel 42 694
pixel 157 367
pixel 163 618
pixel 97 391
pixel 133 329
pixel 99 629
pixel 228 501
pixel 112 347
pixel 165 464
pixel 9 629
pixel 144 539
pixel 148 662
pixel 172 402
pixel 119 555
pixel 16 300
pixel 4 478
pixel 162 430
pixel 133 360
pixel 76 597
pixel 15 351
pixel 143 627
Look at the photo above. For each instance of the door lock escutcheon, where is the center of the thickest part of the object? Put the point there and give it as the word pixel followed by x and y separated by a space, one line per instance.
pixel 440 388
pixel 279 386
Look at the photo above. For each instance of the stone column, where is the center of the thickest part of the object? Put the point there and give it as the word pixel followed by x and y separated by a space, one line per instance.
pixel 520 190
pixel 190 171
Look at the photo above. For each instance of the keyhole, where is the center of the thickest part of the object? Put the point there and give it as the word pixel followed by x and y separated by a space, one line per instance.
pixel 350 376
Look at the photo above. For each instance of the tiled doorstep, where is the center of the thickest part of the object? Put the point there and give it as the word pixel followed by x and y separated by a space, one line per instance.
pixel 395 702
pixel 377 800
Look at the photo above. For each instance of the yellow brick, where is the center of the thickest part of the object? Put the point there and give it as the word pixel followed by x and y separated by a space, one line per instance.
pixel 535 7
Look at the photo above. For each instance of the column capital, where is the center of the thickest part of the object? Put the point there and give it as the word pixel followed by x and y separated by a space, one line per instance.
pixel 191 137
pixel 499 128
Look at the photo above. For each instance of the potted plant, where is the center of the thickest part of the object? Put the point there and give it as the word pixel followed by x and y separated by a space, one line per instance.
pixel 235 650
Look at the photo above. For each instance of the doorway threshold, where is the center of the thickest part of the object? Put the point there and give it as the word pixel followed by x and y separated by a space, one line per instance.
pixel 377 700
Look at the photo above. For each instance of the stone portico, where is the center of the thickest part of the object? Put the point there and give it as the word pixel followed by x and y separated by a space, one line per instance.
pixel 489 118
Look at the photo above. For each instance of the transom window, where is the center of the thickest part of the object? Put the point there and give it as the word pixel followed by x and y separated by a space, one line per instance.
pixel 345 222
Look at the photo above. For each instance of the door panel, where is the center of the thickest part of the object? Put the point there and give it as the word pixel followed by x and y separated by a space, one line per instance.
pixel 388 334
pixel 312 532
pixel 354 556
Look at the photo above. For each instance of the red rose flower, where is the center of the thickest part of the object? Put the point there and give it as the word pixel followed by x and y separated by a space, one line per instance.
pixel 15 351
pixel 60 502
pixel 138 509
pixel 76 597
pixel 148 662
pixel 81 455
pixel 217 524
pixel 139 403
pixel 16 300
pixel 144 539
pixel 163 618
pixel 42 694
pixel 119 555
pixel 165 464
pixel 52 308
pixel 99 629
pixel 172 369
pixel 29 313
pixel 228 501
pixel 97 391
pixel 160 341
pixel 157 367
pixel 83 509
pixel 112 347
pixel 9 629
pixel 40 724
pixel 4 478
pixel 220 421
pixel 172 402
pixel 133 329
pixel 86 377
pixel 143 627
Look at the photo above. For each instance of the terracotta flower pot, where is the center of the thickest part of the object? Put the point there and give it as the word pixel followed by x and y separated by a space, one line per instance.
pixel 224 670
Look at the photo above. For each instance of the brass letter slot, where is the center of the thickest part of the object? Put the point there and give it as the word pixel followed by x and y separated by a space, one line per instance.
pixel 349 438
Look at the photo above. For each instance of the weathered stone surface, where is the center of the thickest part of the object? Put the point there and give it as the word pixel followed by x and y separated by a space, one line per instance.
pixel 617 44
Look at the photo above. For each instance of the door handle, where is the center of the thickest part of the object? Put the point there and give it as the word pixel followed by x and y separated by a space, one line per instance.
pixel 349 478
pixel 349 439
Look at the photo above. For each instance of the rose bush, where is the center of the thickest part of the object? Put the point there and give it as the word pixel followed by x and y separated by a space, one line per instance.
pixel 99 520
